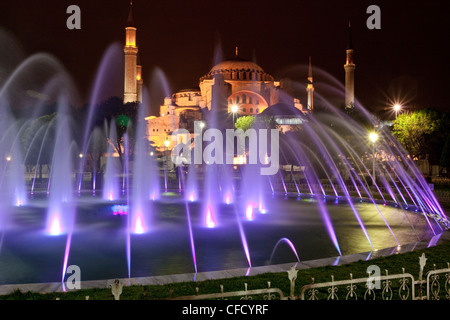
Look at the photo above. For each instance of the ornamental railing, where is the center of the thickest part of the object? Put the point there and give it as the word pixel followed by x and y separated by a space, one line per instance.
pixel 257 294
pixel 435 289
pixel 403 286
pixel 405 289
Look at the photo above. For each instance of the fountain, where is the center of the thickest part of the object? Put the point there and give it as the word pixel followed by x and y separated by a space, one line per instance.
pixel 111 181
pixel 220 216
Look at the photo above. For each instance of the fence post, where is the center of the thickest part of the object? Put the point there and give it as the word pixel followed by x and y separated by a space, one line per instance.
pixel 422 262
pixel 292 275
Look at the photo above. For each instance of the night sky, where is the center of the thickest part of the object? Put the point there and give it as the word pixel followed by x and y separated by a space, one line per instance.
pixel 407 58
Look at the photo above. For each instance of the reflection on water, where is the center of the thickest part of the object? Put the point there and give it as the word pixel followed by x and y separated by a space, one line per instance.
pixel 99 240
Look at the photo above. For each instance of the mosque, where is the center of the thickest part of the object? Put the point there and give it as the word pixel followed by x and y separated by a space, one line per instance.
pixel 235 86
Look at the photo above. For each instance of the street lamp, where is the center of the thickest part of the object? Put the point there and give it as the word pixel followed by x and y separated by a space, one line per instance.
pixel 373 136
pixel 167 144
pixel 234 110
pixel 397 109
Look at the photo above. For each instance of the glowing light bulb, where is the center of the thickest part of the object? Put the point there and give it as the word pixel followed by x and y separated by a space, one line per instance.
pixel 373 136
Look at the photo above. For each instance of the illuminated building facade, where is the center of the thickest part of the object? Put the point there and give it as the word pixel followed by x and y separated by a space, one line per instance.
pixel 235 82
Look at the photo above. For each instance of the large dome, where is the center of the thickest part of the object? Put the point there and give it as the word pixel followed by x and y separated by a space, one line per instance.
pixel 236 64
pixel 238 69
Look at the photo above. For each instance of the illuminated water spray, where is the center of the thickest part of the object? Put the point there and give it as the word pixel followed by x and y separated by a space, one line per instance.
pixel 55 226
pixel 191 236
pixel 243 238
pixel 59 218
pixel 111 189
pixel 228 198
pixel 209 218
pixel 249 211
pixel 289 243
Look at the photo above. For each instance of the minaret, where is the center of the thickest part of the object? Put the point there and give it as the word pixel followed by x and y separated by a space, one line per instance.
pixel 310 88
pixel 131 51
pixel 139 81
pixel 349 68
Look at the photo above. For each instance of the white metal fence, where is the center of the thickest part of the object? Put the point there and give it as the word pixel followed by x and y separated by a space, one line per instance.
pixel 403 286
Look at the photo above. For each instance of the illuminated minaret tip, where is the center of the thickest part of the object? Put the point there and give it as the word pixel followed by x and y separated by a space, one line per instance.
pixel 310 88
pixel 130 21
pixel 133 71
pixel 349 68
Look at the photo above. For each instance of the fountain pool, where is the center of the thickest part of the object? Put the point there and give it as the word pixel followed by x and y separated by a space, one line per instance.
pixel 29 254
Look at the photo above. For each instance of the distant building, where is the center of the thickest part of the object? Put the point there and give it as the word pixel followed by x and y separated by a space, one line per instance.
pixel 178 112
pixel 234 85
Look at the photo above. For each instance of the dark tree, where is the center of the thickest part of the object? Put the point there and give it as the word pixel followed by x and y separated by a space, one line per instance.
pixel 124 117
pixel 445 156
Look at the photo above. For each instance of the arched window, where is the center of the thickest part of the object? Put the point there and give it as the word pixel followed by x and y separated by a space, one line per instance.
pixel 251 110
pixel 237 100
pixel 257 110
pixel 244 98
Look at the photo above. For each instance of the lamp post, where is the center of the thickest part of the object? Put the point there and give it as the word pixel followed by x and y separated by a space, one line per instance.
pixel 234 110
pixel 373 136
pixel 167 144
pixel 397 109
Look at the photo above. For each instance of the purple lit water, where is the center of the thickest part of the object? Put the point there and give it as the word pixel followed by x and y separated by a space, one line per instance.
pixel 180 243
